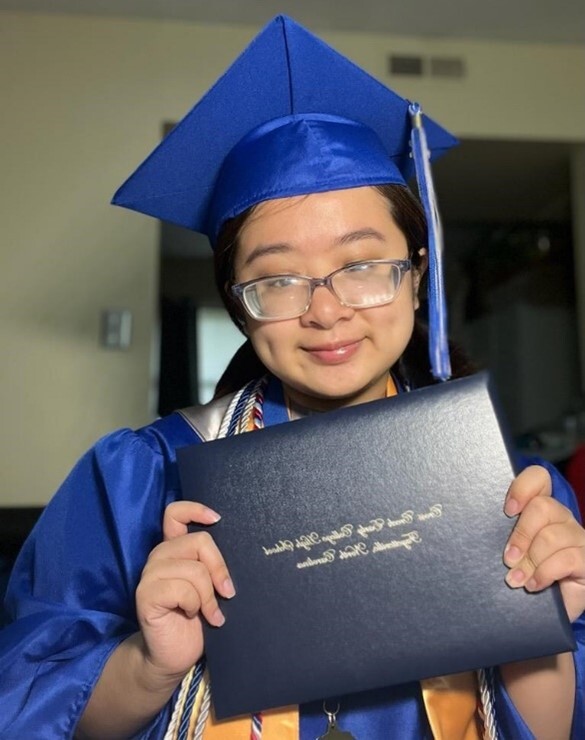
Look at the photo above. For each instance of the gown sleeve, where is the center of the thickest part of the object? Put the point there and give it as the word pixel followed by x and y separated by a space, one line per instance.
pixel 70 599
pixel 510 723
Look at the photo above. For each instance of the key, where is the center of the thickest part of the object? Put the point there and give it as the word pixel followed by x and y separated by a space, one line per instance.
pixel 333 732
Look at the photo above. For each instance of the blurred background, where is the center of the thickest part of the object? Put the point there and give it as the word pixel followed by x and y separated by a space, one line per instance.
pixel 109 318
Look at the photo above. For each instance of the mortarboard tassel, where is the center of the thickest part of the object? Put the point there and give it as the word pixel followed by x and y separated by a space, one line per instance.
pixel 438 343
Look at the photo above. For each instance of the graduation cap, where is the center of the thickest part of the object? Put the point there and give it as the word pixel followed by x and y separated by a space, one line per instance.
pixel 292 116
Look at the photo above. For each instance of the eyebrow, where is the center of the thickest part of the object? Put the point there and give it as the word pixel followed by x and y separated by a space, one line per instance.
pixel 282 247
pixel 264 249
pixel 354 236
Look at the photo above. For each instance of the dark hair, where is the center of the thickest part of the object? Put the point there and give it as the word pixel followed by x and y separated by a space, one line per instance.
pixel 412 369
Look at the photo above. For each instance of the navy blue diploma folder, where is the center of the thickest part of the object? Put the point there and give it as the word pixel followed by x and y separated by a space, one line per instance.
pixel 366 548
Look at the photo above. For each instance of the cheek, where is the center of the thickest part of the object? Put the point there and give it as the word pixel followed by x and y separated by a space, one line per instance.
pixel 392 326
pixel 399 317
pixel 407 301
pixel 269 339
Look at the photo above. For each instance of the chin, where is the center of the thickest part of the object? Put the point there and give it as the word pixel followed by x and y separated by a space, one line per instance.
pixel 333 393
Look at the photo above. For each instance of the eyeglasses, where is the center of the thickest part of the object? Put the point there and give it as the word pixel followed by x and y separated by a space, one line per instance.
pixel 361 285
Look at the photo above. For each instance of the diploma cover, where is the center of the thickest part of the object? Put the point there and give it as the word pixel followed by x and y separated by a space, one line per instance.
pixel 365 546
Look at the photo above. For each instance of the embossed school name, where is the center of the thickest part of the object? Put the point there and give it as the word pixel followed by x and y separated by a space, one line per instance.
pixel 307 541
pixel 360 549
pixel 347 531
pixel 329 556
pixel 408 517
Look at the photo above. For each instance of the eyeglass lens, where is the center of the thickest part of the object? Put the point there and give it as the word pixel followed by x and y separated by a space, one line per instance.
pixel 361 285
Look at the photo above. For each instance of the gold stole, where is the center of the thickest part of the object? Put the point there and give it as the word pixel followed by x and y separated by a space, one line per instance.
pixel 450 703
pixel 277 724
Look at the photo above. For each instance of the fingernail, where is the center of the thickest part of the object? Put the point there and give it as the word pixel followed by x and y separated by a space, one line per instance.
pixel 512 554
pixel 212 515
pixel 531 585
pixel 512 507
pixel 515 578
pixel 217 618
pixel 228 588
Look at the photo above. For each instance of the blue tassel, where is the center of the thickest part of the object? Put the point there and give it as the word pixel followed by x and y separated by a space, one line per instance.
pixel 438 342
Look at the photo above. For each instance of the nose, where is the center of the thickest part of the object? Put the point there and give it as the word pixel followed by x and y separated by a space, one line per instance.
pixel 325 309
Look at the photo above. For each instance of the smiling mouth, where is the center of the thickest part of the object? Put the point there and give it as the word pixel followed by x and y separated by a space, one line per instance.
pixel 332 354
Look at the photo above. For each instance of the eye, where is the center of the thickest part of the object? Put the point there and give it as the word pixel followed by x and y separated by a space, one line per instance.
pixel 283 281
pixel 358 267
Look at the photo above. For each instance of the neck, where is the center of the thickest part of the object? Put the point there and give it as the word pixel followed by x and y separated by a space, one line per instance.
pixel 300 404
pixel 297 410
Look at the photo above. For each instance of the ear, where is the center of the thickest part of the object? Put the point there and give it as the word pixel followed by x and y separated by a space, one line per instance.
pixel 417 275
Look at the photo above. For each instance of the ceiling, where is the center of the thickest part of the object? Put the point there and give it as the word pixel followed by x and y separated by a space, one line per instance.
pixel 555 21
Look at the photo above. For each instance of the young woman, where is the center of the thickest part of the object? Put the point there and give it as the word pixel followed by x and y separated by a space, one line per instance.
pixel 320 249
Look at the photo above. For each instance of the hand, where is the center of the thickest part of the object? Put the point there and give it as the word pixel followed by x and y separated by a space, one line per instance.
pixel 177 588
pixel 547 543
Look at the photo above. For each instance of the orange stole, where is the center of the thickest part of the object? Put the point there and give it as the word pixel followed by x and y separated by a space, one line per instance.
pixel 277 724
pixel 451 706
pixel 450 702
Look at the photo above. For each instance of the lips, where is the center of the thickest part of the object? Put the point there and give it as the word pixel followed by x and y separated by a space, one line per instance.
pixel 334 353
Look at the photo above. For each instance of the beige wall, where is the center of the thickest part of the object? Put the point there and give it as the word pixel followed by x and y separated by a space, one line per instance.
pixel 82 102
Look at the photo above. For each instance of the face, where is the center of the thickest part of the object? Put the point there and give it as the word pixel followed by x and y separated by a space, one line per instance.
pixel 332 355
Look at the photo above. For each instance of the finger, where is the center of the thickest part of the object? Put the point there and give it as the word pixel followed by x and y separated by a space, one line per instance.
pixel 155 599
pixel 197 546
pixel 549 541
pixel 180 514
pixel 540 513
pixel 561 565
pixel 531 482
pixel 192 571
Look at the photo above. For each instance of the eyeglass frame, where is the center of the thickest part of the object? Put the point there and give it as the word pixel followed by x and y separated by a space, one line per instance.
pixel 238 289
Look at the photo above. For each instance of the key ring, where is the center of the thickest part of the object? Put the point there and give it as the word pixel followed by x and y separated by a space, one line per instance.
pixel 331 716
pixel 333 732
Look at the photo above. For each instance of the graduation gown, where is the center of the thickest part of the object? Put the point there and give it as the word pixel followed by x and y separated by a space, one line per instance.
pixel 71 596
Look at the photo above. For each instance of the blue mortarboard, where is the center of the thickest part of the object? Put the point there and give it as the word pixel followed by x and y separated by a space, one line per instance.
pixel 290 116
